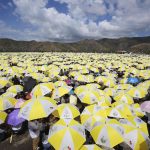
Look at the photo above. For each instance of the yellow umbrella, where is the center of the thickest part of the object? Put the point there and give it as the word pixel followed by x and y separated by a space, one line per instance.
pixel 108 133
pixel 37 76
pixel 66 111
pixel 9 94
pixel 53 73
pixel 109 83
pixel 37 108
pixel 123 86
pixel 123 81
pixel 60 91
pixel 73 100
pixel 66 134
pixel 4 82
pixel 91 114
pixel 123 107
pixel 84 78
pixel 94 69
pixel 136 92
pixel 87 95
pixel 61 78
pixel 93 85
pixel 105 99
pixel 101 79
pixel 116 113
pixel 136 110
pixel 110 91
pixel 134 136
pixel 3 116
pixel 137 122
pixel 7 102
pixel 42 89
pixel 15 89
pixel 124 97
pixel 60 83
pixel 90 147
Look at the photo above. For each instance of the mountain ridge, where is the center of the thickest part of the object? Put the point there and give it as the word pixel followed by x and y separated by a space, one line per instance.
pixel 105 45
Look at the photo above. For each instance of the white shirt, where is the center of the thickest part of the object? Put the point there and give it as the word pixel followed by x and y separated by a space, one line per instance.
pixel 45 139
pixel 34 129
pixel 17 128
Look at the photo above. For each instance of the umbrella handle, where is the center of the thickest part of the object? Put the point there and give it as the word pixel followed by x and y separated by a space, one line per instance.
pixel 11 137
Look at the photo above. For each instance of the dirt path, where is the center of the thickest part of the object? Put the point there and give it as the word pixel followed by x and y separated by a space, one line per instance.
pixel 22 142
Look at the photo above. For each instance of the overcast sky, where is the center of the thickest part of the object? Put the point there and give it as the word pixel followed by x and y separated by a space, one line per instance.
pixel 73 20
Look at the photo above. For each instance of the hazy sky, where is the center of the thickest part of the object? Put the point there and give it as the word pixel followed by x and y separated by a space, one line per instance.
pixel 73 20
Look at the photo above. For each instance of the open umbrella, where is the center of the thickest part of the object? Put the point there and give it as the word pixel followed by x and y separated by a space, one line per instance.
pixel 134 136
pixel 87 95
pixel 15 89
pixel 90 147
pixel 7 102
pixel 145 106
pixel 37 108
pixel 66 111
pixel 66 134
pixel 108 133
pixel 14 119
pixel 3 116
pixel 19 103
pixel 137 92
pixel 60 91
pixel 4 81
pixel 123 97
pixel 91 114
pixel 42 89
pixel 133 80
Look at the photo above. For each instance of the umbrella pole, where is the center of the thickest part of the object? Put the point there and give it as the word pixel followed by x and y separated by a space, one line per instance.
pixel 11 137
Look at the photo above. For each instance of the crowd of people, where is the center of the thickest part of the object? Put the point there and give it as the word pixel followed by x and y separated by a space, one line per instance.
pixel 74 72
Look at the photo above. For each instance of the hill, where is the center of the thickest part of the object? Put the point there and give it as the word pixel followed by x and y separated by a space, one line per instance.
pixel 135 45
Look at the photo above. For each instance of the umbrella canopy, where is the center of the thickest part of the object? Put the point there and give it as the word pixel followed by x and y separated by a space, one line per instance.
pixel 42 89
pixel 4 81
pixel 7 102
pixel 91 114
pixel 109 83
pixel 14 119
pixel 136 122
pixel 60 83
pixel 134 136
pixel 108 133
pixel 145 106
pixel 116 113
pixel 136 110
pixel 66 134
pixel 60 91
pixel 19 103
pixel 87 95
pixel 15 89
pixel 137 92
pixel 105 99
pixel 133 80
pixel 93 85
pixel 66 111
pixel 110 91
pixel 123 97
pixel 90 147
pixel 9 94
pixel 3 116
pixel 123 86
pixel 36 108
pixel 84 78
pixel 124 108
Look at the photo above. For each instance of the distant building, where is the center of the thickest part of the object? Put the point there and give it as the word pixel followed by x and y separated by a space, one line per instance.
pixel 122 52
